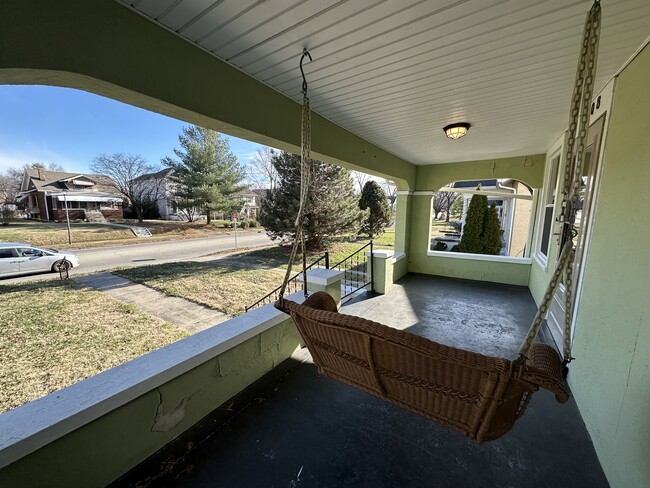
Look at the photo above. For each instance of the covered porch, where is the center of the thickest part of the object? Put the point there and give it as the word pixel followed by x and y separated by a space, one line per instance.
pixel 379 107
pixel 297 428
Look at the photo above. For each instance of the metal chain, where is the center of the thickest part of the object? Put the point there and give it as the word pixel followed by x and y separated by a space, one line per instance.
pixel 581 100
pixel 305 179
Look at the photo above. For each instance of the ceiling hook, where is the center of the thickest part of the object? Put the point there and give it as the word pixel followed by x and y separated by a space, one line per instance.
pixel 304 80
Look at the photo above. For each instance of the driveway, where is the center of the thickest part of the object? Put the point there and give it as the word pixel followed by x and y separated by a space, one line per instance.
pixel 103 258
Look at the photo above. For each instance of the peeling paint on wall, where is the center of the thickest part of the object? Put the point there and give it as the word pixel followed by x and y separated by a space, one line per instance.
pixel 167 421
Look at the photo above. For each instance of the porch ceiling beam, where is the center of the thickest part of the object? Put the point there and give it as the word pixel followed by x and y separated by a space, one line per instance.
pixel 104 48
pixel 488 193
pixel 528 169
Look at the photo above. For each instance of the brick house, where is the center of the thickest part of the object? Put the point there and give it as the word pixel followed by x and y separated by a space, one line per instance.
pixel 45 194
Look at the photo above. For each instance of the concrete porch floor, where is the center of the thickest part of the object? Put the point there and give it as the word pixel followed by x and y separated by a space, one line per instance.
pixel 295 428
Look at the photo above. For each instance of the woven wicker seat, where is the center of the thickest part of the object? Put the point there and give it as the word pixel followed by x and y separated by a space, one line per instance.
pixel 477 395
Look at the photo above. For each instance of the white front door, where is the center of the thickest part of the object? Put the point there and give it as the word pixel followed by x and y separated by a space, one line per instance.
pixel 584 217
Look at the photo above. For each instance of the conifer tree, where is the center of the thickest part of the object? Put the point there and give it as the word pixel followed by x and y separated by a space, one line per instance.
pixel 373 198
pixel 471 241
pixel 332 207
pixel 207 175
pixel 491 232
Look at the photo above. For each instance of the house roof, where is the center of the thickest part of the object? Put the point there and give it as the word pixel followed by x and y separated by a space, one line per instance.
pixel 54 181
pixel 246 193
pixel 163 173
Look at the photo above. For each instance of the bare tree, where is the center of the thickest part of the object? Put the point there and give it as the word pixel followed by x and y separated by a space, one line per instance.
pixel 130 173
pixel 442 202
pixel 391 192
pixel 9 189
pixel 261 173
pixel 360 178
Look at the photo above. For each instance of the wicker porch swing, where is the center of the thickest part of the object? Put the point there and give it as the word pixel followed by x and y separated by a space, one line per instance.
pixel 477 395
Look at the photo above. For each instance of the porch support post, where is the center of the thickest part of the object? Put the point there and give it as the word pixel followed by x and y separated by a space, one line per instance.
pixel 382 270
pixel 402 231
pixel 327 280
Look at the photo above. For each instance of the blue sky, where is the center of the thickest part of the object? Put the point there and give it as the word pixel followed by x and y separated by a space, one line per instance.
pixel 71 127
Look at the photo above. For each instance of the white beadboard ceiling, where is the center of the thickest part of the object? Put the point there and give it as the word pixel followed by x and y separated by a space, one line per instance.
pixel 396 71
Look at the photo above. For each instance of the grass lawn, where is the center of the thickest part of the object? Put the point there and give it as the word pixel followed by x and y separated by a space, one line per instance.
pixel 338 249
pixel 440 228
pixel 223 285
pixel 232 283
pixel 54 334
pixel 53 234
pixel 84 234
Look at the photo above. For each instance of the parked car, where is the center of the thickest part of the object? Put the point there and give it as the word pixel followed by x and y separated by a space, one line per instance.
pixel 18 258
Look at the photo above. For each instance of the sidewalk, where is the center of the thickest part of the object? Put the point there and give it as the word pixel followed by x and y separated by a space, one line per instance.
pixel 187 315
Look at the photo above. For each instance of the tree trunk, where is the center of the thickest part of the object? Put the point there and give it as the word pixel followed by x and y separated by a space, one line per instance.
pixel 208 217
pixel 138 213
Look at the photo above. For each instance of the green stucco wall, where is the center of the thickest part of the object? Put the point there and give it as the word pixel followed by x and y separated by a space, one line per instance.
pixel 529 169
pixel 103 450
pixel 611 376
pixel 104 48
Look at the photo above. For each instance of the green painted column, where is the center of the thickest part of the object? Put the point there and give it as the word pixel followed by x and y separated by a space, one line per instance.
pixel 403 227
pixel 327 280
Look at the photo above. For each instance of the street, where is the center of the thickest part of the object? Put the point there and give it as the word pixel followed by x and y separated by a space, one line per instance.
pixel 103 258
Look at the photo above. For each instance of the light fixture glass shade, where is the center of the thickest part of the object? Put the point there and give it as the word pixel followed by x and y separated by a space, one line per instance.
pixel 456 131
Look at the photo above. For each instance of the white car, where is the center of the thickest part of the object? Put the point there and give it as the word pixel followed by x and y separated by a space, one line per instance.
pixel 17 258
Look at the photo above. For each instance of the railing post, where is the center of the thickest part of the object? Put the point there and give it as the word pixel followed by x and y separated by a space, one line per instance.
pixel 372 267
pixel 329 281
pixel 327 260
pixel 381 269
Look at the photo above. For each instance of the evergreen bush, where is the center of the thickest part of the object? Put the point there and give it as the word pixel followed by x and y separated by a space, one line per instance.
pixel 374 199
pixel 471 240
pixel 331 206
pixel 492 232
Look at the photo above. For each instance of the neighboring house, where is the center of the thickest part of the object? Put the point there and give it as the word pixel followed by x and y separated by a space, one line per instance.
pixel 514 213
pixel 251 208
pixel 45 194
pixel 161 187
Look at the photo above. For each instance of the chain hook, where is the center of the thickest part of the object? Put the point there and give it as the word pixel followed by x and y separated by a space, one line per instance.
pixel 304 80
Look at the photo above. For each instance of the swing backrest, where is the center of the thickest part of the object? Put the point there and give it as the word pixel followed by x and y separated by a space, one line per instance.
pixel 477 395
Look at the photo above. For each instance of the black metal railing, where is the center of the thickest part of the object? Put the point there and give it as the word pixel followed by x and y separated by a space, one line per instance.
pixel 357 274
pixel 294 284
pixel 357 271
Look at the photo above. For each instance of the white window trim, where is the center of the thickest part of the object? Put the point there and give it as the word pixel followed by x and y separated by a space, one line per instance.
pixel 479 257
pixel 554 151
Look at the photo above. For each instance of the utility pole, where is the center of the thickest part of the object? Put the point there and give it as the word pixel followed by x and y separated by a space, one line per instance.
pixel 67 215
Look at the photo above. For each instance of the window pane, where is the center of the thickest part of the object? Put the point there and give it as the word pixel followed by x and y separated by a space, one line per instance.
pixel 546 230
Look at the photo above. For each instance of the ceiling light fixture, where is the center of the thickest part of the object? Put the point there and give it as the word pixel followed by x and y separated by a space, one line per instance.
pixel 456 131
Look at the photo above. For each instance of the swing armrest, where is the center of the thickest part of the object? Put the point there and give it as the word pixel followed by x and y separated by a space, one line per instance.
pixel 545 369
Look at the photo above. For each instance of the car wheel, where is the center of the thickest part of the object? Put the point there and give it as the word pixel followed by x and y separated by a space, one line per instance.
pixel 56 267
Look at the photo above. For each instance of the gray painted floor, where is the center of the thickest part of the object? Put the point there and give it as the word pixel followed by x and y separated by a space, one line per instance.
pixel 305 430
